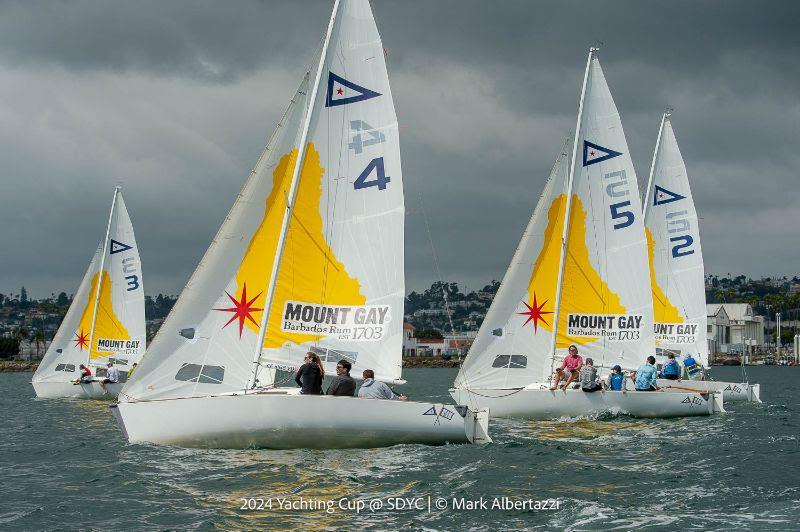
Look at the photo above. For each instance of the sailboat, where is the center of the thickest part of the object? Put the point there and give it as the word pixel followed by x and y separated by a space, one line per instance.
pixel 676 268
pixel 105 322
pixel 583 282
pixel 309 259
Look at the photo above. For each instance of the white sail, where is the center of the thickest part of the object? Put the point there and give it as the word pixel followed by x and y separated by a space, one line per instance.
pixel 605 304
pixel 119 332
pixel 112 320
pixel 513 344
pixel 338 286
pixel 593 274
pixel 70 345
pixel 676 256
pixel 341 278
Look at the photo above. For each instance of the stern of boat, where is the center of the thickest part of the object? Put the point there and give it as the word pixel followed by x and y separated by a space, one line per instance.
pixel 476 425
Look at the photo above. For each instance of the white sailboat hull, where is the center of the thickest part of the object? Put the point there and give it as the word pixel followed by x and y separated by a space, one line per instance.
pixel 289 421
pixel 541 403
pixel 731 391
pixel 92 390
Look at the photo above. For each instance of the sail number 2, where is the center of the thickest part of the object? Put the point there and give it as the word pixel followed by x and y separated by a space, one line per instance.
pixel 617 187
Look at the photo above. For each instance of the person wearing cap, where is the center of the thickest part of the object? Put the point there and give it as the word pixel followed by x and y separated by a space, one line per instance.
pixel 615 380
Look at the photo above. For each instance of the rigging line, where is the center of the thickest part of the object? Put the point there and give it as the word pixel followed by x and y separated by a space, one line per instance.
pixel 514 392
pixel 436 265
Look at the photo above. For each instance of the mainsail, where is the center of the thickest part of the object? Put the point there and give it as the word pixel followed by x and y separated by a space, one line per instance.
pixel 105 321
pixel 676 257
pixel 310 257
pixel 592 274
pixel 605 304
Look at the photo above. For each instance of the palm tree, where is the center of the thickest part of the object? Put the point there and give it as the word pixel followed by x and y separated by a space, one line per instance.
pixel 22 335
pixel 40 341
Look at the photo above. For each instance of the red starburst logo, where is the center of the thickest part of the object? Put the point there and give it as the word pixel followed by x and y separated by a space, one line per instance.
pixel 81 340
pixel 535 313
pixel 242 309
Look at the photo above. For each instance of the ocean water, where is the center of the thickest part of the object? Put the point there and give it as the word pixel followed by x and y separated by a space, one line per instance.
pixel 64 466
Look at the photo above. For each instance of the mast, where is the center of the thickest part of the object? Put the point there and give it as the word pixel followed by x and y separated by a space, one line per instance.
pixel 568 211
pixel 301 155
pixel 649 189
pixel 100 275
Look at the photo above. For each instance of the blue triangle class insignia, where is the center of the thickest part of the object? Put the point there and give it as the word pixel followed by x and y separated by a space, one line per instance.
pixel 662 195
pixel 337 97
pixel 118 247
pixel 430 412
pixel 594 153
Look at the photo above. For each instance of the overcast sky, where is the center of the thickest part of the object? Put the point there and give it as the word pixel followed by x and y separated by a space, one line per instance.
pixel 175 100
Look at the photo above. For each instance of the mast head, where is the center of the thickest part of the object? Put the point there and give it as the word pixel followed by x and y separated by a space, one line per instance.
pixel 668 113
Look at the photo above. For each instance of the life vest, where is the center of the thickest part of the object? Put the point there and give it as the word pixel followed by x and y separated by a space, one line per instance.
pixel 671 368
pixel 616 380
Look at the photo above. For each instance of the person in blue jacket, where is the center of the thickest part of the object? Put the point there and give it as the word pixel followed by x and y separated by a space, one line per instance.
pixel 671 369
pixel 616 380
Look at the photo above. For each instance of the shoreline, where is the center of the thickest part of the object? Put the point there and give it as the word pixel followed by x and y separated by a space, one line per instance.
pixel 430 362
pixel 18 366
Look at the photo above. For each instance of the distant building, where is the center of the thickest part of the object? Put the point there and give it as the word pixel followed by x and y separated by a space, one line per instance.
pixel 734 328
pixel 456 344
pixel 409 342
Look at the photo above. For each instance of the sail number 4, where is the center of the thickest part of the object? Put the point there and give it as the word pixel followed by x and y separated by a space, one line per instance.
pixel 375 165
pixel 380 176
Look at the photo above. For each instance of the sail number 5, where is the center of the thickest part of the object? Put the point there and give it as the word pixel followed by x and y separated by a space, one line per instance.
pixel 618 187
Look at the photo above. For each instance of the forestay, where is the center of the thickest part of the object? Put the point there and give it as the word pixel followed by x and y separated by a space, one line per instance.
pixel 339 284
pixel 676 257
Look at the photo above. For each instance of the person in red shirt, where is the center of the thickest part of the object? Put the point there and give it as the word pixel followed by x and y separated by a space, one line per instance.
pixel 86 375
pixel 569 368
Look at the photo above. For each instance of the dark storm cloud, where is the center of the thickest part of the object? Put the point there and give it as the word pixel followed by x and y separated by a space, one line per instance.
pixel 175 99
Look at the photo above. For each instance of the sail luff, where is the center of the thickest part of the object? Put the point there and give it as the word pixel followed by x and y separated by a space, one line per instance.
pixel 290 203
pixel 99 286
pixel 653 166
pixel 567 214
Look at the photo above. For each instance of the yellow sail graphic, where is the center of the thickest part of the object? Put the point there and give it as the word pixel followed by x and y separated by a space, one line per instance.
pixel 309 270
pixel 584 291
pixel 107 325
pixel 663 309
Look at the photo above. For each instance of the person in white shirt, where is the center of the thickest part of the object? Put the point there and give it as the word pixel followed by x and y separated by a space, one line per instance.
pixel 372 389
pixel 112 377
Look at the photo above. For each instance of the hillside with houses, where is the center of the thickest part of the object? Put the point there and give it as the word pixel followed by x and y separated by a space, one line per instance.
pixel 444 318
